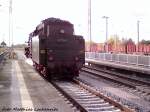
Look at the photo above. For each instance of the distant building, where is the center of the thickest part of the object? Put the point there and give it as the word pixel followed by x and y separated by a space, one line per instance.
pixel 3 44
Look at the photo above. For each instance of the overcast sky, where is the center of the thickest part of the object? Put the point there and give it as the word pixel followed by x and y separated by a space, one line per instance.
pixel 123 16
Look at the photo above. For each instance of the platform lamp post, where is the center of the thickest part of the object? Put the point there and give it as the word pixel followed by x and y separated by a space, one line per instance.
pixel 106 43
pixel 10 24
pixel 89 23
pixel 138 35
pixel 11 30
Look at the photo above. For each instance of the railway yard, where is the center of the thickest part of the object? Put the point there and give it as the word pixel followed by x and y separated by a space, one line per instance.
pixel 74 56
pixel 97 89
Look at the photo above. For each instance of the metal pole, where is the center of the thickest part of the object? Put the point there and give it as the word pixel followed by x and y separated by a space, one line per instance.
pixel 138 35
pixel 89 23
pixel 106 34
pixel 10 24
pixel 106 43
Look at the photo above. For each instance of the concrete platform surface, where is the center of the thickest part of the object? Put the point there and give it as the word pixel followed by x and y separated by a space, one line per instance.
pixel 23 89
pixel 140 69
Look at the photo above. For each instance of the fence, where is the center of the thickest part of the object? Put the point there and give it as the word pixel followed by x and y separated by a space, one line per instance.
pixel 139 60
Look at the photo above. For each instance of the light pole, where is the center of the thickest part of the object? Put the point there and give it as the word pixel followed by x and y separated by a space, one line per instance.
pixel 138 28
pixel 10 25
pixel 89 23
pixel 106 43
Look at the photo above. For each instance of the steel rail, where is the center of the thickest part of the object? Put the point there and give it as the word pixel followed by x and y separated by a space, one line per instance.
pixel 93 92
pixel 120 75
pixel 134 87
pixel 97 93
pixel 74 102
pixel 109 77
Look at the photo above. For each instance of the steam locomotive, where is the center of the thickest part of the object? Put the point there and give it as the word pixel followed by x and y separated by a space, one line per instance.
pixel 55 51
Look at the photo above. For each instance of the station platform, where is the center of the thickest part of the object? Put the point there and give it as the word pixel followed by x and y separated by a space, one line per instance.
pixel 22 89
pixel 134 68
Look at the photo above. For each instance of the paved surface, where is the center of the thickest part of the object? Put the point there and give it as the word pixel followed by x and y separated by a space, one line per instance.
pixel 139 69
pixel 21 88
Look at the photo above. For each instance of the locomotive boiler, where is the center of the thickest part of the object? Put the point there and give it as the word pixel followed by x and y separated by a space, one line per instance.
pixel 55 50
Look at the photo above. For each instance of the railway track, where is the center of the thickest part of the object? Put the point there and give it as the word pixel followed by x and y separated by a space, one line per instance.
pixel 134 85
pixel 87 99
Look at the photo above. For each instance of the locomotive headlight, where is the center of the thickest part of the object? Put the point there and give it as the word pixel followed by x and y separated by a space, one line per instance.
pixel 76 58
pixel 62 31
pixel 50 55
pixel 81 51
pixel 50 51
pixel 50 58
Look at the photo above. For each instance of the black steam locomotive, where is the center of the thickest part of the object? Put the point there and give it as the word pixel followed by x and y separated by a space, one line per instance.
pixel 55 50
